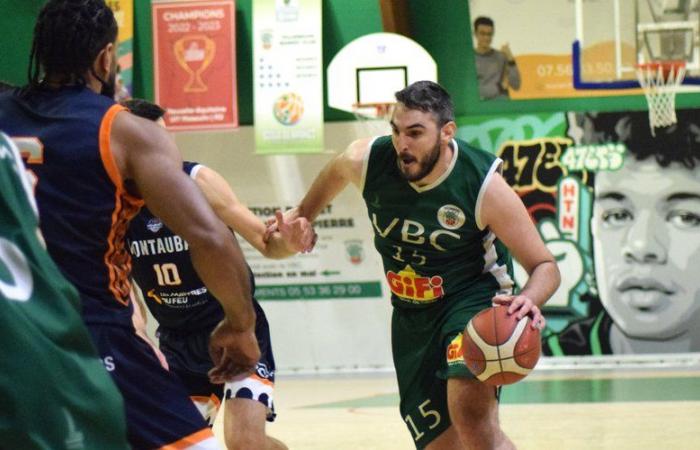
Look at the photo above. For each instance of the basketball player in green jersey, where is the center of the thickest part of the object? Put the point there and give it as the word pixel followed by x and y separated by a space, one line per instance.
pixel 54 390
pixel 444 220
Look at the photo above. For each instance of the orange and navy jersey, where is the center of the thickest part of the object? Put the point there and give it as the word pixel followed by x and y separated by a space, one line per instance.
pixel 173 292
pixel 84 210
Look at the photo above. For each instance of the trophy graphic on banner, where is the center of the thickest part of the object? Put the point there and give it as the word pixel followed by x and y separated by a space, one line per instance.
pixel 195 53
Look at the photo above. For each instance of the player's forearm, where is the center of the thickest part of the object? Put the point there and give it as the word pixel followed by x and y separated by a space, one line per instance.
pixel 542 283
pixel 325 188
pixel 220 264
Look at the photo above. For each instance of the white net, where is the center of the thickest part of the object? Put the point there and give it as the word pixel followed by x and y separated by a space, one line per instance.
pixel 660 81
pixel 373 119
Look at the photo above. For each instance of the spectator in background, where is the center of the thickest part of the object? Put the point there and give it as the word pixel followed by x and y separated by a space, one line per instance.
pixel 496 70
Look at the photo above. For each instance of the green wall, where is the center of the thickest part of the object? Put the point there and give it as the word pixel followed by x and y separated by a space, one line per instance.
pixel 443 30
pixel 17 24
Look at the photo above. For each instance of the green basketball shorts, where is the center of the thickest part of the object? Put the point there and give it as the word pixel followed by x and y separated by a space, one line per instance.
pixel 427 350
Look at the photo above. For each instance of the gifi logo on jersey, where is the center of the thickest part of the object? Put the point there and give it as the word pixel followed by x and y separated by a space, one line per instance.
pixel 408 285
pixel 455 352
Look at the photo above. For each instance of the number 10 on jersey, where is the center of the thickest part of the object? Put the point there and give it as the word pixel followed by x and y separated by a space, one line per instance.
pixel 167 274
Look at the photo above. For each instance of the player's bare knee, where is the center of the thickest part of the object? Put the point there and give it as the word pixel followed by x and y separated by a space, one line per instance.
pixel 476 424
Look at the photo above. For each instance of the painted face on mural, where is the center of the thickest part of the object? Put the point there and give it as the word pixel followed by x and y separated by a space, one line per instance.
pixel 416 138
pixel 646 223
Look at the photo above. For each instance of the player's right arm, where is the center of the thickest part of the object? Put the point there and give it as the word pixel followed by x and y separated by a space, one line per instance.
pixel 504 213
pixel 291 238
pixel 150 164
pixel 347 167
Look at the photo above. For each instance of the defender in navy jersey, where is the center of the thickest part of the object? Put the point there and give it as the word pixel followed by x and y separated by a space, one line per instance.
pixel 94 165
pixel 444 220
pixel 187 312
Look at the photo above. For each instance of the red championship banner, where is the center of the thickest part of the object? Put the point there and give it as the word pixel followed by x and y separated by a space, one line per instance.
pixel 194 57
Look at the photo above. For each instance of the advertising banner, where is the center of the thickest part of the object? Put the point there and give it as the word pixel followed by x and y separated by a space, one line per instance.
pixel 342 266
pixel 287 76
pixel 194 61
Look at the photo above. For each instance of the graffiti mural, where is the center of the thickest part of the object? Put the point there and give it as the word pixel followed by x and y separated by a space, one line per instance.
pixel 619 208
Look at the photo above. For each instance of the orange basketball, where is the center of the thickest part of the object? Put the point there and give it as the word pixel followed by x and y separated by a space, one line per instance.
pixel 498 348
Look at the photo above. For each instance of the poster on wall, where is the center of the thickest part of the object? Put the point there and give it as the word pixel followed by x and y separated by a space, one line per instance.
pixel 194 63
pixel 620 211
pixel 523 50
pixel 342 266
pixel 124 15
pixel 287 76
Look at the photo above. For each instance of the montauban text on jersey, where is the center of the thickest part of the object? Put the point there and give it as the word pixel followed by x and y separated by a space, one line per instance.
pixel 147 247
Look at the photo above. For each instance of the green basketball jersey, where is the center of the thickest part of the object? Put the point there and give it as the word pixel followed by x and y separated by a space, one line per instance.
pixel 54 390
pixel 430 239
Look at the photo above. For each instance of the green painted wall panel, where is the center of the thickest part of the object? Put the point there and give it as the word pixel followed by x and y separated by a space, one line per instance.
pixel 17 24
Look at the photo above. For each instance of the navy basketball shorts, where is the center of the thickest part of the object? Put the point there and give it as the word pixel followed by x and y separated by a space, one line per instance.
pixel 188 357
pixel 159 412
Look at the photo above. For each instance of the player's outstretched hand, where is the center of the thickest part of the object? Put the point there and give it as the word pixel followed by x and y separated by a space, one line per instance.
pixel 298 234
pixel 521 306
pixel 271 222
pixel 234 353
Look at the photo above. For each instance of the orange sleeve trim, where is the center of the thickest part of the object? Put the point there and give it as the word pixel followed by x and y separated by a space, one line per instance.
pixel 190 440
pixel 106 149
pixel 126 207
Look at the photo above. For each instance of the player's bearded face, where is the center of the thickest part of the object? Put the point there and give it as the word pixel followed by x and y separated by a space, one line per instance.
pixel 415 166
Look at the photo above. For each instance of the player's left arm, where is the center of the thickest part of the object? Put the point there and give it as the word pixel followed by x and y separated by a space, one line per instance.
pixel 511 78
pixel 291 237
pixel 503 212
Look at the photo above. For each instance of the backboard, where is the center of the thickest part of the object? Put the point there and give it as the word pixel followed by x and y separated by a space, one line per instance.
pixel 613 36
pixel 370 69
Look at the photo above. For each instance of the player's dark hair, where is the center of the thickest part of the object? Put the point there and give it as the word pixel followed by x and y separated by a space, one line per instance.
pixel 677 143
pixel 68 36
pixel 428 96
pixel 144 108
pixel 483 20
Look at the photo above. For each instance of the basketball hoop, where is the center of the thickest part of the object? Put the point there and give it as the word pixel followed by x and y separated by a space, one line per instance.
pixel 374 117
pixel 660 81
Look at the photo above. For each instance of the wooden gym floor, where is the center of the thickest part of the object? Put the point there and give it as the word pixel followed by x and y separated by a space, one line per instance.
pixel 551 409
